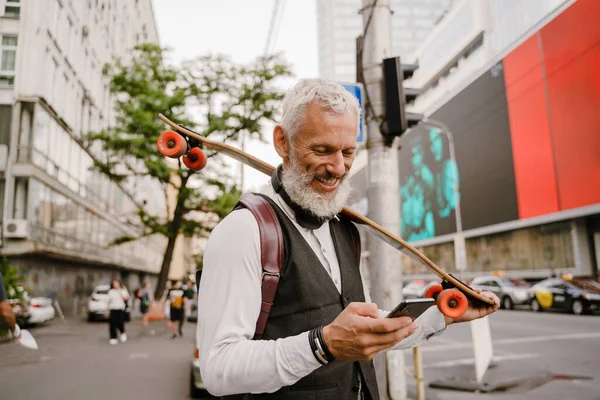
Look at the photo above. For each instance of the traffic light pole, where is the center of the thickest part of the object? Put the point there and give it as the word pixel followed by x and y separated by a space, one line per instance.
pixel 384 262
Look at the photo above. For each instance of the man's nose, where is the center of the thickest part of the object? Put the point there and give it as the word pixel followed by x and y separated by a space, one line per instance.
pixel 337 165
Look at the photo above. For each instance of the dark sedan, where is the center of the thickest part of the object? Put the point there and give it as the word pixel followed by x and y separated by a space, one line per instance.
pixel 579 296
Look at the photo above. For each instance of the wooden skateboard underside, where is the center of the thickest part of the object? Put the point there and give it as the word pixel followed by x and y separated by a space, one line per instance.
pixel 372 227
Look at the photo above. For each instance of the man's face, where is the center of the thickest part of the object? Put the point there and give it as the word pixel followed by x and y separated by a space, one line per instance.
pixel 318 160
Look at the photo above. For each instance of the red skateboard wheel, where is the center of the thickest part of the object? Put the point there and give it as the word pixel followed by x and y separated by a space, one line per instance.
pixel 195 159
pixel 452 303
pixel 171 144
pixel 433 291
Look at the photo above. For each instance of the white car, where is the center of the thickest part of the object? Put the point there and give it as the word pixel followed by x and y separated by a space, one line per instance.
pixel 98 303
pixel 41 310
pixel 197 388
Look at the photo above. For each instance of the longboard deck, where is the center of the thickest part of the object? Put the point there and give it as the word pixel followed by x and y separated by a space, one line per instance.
pixel 371 226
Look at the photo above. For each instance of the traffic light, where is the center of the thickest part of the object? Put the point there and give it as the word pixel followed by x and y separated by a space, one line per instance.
pixel 396 96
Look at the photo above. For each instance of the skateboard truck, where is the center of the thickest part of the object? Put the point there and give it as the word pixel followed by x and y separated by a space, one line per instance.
pixel 449 285
pixel 192 142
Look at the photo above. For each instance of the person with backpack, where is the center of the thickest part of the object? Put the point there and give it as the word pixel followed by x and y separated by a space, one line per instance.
pixel 317 329
pixel 146 298
pixel 177 299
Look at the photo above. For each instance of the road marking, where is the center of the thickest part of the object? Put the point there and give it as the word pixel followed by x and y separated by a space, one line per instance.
pixel 533 339
pixel 139 356
pixel 471 361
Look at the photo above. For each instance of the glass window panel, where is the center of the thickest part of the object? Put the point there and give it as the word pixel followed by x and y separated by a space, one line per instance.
pixel 9 40
pixel 8 60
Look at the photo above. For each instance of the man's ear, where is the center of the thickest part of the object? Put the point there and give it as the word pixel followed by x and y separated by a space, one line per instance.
pixel 280 142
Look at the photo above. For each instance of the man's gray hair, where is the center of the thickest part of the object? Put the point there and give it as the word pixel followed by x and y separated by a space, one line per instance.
pixel 330 95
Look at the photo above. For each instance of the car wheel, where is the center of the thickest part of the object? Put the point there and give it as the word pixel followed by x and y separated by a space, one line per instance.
pixel 535 306
pixel 507 303
pixel 91 317
pixel 577 307
pixel 195 393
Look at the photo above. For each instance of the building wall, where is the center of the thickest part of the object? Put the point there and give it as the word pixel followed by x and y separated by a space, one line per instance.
pixel 524 131
pixel 56 93
pixel 470 38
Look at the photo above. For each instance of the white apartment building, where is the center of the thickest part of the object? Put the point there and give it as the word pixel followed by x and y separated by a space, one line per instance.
pixel 339 23
pixel 57 215
pixel 469 39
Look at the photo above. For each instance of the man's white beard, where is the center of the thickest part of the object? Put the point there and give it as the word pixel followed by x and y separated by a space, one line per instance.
pixel 297 184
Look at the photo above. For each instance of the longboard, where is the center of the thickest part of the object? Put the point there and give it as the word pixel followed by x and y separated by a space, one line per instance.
pixel 448 281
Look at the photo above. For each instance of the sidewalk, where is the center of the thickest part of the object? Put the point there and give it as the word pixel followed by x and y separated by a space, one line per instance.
pixel 505 380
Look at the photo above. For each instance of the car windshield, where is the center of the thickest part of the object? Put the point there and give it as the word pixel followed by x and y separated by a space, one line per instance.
pixel 586 284
pixel 102 291
pixel 516 282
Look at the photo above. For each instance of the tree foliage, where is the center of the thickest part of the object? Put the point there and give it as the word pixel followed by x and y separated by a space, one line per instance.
pixel 212 95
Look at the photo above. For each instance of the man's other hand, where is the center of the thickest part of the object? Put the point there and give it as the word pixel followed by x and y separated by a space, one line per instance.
pixel 479 310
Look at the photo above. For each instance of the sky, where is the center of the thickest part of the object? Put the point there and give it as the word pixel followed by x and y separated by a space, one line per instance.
pixel 239 28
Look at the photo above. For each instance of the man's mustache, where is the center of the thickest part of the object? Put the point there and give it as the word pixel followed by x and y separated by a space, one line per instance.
pixel 327 175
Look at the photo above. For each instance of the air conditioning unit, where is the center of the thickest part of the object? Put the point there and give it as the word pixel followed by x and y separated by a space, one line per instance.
pixel 16 229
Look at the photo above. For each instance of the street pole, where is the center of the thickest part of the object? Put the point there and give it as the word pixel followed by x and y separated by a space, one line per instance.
pixel 385 269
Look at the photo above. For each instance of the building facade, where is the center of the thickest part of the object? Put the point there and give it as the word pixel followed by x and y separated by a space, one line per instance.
pixel 339 23
pixel 510 160
pixel 58 216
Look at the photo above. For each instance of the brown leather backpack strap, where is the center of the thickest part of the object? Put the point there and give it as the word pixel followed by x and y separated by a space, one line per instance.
pixel 271 254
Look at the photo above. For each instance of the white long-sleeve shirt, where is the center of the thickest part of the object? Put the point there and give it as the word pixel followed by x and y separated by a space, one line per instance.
pixel 229 303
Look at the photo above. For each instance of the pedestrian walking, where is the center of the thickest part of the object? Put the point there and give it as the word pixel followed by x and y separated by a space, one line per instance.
pixel 188 292
pixel 177 299
pixel 146 299
pixel 117 302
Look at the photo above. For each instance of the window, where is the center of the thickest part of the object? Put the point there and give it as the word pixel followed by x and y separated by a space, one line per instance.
pixel 8 57
pixel 13 8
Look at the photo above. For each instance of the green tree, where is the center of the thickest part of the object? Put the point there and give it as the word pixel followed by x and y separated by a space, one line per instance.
pixel 211 94
pixel 12 280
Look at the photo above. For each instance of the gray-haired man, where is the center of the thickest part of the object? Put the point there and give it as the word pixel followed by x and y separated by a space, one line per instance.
pixel 320 292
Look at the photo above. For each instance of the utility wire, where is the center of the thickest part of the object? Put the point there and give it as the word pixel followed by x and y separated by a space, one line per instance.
pixel 273 27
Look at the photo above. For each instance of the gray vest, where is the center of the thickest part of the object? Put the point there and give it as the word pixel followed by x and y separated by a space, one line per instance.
pixel 306 298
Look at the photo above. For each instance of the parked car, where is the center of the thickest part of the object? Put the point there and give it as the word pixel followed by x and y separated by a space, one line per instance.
pixel 197 388
pixel 41 310
pixel 419 288
pixel 98 303
pixel 578 296
pixel 510 291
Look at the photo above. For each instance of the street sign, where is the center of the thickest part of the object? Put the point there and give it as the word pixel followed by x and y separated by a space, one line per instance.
pixel 357 90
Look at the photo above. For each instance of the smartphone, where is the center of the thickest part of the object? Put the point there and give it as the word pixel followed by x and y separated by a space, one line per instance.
pixel 411 308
